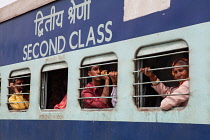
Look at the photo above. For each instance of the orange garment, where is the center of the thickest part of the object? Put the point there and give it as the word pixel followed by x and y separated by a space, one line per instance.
pixel 62 104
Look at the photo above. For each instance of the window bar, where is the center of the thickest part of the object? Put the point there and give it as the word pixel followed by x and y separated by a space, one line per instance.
pixel 20 85
pixel 141 100
pixel 160 95
pixel 94 76
pixel 17 102
pixel 98 86
pixel 163 68
pixel 166 81
pixel 160 55
pixel 19 94
pixel 98 65
pixel 137 88
pixel 94 97
pixel 82 84
pixel 19 77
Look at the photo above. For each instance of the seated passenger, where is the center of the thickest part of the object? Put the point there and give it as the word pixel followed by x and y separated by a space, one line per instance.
pixel 179 73
pixel 62 104
pixel 16 88
pixel 100 91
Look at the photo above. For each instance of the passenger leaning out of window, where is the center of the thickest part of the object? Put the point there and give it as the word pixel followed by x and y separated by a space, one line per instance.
pixel 179 73
pixel 17 89
pixel 100 91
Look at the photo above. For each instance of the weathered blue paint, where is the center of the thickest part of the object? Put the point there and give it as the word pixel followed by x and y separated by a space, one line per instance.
pixel 91 130
pixel 17 32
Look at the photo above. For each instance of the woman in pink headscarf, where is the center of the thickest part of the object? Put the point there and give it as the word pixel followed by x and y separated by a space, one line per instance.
pixel 179 73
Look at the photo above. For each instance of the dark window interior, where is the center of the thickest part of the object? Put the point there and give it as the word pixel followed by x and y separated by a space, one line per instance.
pixel 57 81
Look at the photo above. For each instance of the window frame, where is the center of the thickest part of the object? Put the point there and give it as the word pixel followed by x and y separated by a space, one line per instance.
pixel 20 73
pixel 152 51
pixel 44 82
pixel 96 60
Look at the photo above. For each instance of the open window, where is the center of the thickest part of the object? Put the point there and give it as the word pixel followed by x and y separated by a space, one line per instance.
pixel 90 94
pixel 159 58
pixel 19 90
pixel 0 84
pixel 54 86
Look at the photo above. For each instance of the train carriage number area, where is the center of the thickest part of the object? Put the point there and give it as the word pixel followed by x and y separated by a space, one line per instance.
pixel 103 33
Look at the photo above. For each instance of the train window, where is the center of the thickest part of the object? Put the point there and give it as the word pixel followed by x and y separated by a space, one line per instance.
pixel 54 86
pixel 19 90
pixel 0 84
pixel 98 82
pixel 159 78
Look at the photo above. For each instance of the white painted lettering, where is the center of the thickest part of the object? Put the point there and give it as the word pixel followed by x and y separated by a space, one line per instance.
pixel 107 39
pixel 24 51
pixel 46 50
pixel 91 37
pixel 61 38
pixel 100 33
pixel 29 51
pixel 70 40
pixel 53 46
pixel 79 40
pixel 34 47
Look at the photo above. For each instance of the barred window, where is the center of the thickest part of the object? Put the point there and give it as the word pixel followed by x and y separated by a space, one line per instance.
pixel 0 84
pixel 19 90
pixel 54 86
pixel 91 95
pixel 159 58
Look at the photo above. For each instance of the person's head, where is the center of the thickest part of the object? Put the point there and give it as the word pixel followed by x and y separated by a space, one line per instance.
pixel 19 82
pixel 180 72
pixel 94 71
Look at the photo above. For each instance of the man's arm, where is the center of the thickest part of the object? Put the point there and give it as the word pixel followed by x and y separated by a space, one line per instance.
pixel 14 88
pixel 105 92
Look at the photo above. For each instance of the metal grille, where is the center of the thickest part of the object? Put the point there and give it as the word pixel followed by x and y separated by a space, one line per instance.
pixel 84 79
pixel 142 83
pixel 25 91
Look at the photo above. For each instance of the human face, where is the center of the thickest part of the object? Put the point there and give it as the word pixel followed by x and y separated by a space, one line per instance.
pixel 181 72
pixel 19 82
pixel 95 70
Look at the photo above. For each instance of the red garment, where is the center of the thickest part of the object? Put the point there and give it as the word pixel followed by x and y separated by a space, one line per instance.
pixel 62 104
pixel 93 102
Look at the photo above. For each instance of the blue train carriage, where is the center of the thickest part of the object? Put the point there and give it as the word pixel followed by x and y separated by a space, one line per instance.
pixel 51 44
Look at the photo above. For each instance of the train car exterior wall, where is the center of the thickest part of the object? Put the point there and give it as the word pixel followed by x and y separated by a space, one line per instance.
pixel 57 33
